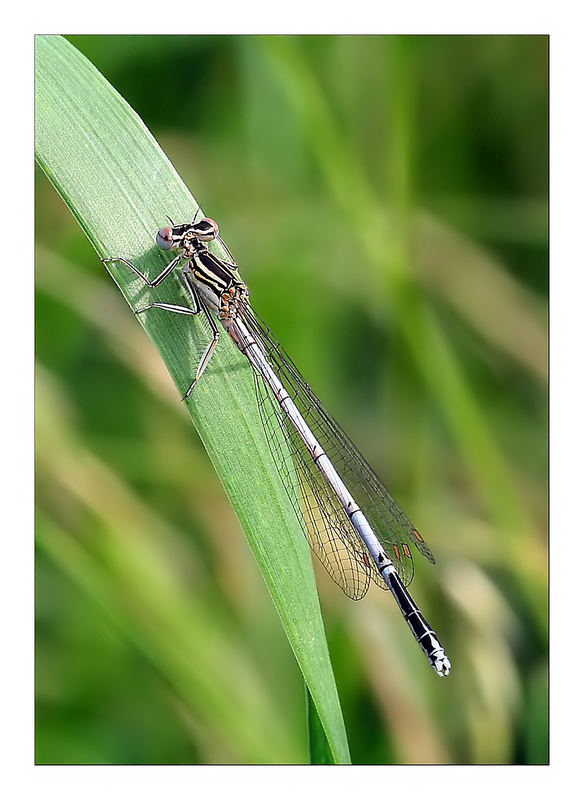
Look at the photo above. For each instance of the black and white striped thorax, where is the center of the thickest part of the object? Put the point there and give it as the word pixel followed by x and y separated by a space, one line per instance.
pixel 211 271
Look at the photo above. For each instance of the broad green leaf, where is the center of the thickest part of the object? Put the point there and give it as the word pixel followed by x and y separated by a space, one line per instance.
pixel 119 185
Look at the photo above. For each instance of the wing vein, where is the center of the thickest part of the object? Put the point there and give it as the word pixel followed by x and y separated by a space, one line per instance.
pixel 325 523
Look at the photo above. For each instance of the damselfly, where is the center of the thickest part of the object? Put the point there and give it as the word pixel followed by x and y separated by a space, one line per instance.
pixel 352 523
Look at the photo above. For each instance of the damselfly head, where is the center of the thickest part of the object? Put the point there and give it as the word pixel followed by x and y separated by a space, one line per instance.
pixel 171 236
pixel 206 229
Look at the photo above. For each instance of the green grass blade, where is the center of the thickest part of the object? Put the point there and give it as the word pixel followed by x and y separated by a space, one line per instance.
pixel 119 185
pixel 318 746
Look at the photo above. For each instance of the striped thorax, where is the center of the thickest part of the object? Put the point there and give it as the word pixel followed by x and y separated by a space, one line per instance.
pixel 217 280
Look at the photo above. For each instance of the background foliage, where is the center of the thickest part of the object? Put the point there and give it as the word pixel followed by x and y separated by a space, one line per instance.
pixel 404 179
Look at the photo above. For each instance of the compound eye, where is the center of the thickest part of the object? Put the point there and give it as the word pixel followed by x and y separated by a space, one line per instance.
pixel 207 229
pixel 164 238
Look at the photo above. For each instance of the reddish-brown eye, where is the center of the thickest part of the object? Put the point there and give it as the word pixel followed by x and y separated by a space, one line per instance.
pixel 164 238
pixel 206 230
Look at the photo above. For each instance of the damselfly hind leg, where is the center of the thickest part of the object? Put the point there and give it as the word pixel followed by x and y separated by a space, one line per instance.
pixel 207 355
pixel 214 331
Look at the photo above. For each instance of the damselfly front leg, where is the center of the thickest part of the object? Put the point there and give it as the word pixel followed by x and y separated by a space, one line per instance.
pixel 171 238
pixel 152 283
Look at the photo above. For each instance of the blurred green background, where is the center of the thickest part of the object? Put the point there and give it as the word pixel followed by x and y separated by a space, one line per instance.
pixel 386 198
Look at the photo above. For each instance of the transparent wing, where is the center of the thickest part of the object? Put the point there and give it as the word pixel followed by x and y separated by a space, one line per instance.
pixel 327 528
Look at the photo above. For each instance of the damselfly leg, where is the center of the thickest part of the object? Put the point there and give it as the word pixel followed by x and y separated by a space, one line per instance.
pixel 169 307
pixel 155 281
pixel 198 306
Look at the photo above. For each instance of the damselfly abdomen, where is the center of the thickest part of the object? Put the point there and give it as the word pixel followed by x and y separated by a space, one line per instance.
pixel 352 523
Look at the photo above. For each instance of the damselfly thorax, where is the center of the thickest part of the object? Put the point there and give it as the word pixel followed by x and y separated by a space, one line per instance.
pixel 349 518
pixel 216 280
